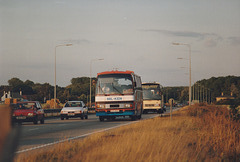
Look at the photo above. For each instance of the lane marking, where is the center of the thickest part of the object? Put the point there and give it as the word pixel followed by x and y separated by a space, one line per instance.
pixel 73 138
pixel 84 135
pixel 33 129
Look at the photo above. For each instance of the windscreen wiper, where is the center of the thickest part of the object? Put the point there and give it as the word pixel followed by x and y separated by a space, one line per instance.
pixel 116 89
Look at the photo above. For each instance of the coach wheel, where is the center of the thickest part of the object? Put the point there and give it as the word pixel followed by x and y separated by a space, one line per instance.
pixel 35 120
pixel 42 121
pixel 82 117
pixel 133 117
pixel 140 116
pixel 101 118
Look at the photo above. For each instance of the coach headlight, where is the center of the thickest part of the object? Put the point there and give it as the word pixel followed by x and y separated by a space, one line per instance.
pixel 78 111
pixel 128 105
pixel 100 106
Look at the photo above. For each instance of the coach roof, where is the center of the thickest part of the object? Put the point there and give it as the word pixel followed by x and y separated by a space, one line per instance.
pixel 116 72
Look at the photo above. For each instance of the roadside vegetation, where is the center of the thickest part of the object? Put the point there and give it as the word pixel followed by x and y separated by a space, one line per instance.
pixel 79 89
pixel 197 133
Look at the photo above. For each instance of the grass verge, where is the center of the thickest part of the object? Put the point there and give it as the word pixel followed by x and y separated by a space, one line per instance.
pixel 198 133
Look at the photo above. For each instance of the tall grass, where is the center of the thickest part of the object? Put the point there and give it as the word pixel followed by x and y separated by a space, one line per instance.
pixel 195 134
pixel 219 133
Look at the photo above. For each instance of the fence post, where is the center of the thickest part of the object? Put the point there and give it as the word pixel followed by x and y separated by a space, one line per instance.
pixel 171 105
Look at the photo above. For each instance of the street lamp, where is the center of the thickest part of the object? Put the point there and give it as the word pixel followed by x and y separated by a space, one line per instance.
pixel 55 80
pixel 91 78
pixel 189 46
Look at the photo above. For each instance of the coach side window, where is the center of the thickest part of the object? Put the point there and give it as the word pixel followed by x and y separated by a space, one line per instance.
pixel 138 81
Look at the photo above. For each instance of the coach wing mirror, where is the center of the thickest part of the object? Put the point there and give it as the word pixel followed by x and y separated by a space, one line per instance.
pixel 134 84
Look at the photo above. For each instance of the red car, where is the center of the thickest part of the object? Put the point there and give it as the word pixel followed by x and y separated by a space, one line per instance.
pixel 29 111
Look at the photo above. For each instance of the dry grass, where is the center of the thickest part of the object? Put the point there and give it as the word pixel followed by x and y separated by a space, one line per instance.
pixel 195 134
pixel 218 133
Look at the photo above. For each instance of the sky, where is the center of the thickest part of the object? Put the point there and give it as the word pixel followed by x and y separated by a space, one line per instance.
pixel 132 35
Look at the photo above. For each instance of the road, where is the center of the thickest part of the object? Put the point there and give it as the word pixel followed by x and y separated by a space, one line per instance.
pixel 56 130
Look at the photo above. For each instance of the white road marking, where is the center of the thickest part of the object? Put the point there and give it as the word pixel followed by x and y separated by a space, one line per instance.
pixel 33 129
pixel 76 137
pixel 72 138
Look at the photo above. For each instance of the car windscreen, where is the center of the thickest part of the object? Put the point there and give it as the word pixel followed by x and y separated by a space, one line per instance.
pixel 28 105
pixel 73 104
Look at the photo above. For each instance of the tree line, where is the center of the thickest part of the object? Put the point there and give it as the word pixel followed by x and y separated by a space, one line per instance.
pixel 80 86
pixel 212 88
pixel 229 85
pixel 77 90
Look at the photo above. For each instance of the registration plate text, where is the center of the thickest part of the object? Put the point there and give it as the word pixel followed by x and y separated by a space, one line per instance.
pixel 114 111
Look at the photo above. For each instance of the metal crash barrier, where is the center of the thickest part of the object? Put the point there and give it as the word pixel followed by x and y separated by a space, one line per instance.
pixel 52 112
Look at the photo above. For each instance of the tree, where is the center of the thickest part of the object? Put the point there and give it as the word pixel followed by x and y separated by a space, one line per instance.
pixel 184 95
pixel 29 83
pixel 42 91
pixel 218 85
pixel 173 92
pixel 234 90
pixel 80 80
pixel 18 85
pixel 83 98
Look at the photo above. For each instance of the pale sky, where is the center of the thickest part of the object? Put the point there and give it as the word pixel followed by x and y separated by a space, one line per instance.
pixel 129 34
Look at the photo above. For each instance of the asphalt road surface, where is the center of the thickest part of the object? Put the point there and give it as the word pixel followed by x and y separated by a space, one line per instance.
pixel 55 130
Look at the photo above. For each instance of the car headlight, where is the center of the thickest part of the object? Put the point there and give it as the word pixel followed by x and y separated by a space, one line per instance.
pixel 63 112
pixel 157 104
pixel 30 114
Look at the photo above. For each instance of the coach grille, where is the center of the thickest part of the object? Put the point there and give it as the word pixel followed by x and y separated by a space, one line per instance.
pixel 149 105
pixel 114 106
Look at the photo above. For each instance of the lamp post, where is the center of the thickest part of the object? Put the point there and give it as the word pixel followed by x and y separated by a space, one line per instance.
pixel 91 78
pixel 190 91
pixel 55 76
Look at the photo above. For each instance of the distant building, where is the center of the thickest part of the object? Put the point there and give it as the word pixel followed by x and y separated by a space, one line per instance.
pixel 12 95
pixel 225 97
